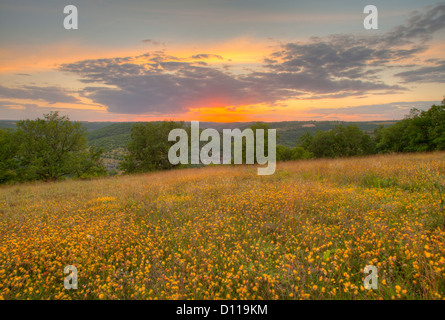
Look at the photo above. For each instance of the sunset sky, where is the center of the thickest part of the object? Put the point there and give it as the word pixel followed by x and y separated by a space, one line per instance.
pixel 221 60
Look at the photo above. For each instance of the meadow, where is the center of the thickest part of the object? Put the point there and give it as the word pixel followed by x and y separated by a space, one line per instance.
pixel 223 232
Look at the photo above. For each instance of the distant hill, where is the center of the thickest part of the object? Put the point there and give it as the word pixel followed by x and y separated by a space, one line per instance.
pixel 115 135
pixel 289 131
pixel 7 124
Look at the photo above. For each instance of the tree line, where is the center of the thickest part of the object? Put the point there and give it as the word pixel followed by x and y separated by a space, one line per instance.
pixel 418 131
pixel 54 147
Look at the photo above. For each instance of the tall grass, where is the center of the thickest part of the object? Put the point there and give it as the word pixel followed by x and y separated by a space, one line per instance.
pixel 223 232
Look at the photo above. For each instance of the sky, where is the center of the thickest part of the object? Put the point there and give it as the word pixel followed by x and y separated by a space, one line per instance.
pixel 221 60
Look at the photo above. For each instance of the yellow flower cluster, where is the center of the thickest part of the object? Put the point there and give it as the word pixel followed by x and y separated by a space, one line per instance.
pixel 306 232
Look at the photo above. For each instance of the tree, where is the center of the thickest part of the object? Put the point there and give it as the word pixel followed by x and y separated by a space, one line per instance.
pixel 300 153
pixel 305 140
pixel 286 154
pixel 353 141
pixel 394 138
pixel 338 142
pixel 54 147
pixel 8 156
pixel 436 131
pixel 419 131
pixel 149 146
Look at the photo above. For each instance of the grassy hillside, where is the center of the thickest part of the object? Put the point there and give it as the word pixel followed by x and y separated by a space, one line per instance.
pixel 111 130
pixel 113 136
pixel 223 232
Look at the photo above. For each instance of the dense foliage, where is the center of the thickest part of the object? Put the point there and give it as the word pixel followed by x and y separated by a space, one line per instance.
pixel 338 142
pixel 149 145
pixel 47 149
pixel 419 131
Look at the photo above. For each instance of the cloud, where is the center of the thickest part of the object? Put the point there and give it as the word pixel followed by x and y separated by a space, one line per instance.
pixel 350 65
pixel 333 67
pixel 352 57
pixel 154 42
pixel 393 110
pixel 339 56
pixel 10 105
pixel 206 56
pixel 49 94
pixel 160 85
pixel 425 74
pixel 19 111
pixel 421 26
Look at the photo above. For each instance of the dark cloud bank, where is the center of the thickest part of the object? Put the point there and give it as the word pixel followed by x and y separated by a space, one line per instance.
pixel 48 94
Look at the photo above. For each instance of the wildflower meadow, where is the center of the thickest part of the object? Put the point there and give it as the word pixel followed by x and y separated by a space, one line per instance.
pixel 224 232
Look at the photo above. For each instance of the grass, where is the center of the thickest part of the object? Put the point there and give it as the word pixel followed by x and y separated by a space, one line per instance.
pixel 223 232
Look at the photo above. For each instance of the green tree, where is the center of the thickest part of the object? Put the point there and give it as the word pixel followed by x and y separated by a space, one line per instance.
pixel 436 131
pixel 394 138
pixel 149 146
pixel 54 147
pixel 419 131
pixel 8 155
pixel 300 153
pixel 339 142
pixel 352 141
pixel 284 153
pixel 323 145
pixel 305 140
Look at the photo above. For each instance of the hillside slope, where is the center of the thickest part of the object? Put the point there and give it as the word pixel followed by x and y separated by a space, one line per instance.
pixel 223 232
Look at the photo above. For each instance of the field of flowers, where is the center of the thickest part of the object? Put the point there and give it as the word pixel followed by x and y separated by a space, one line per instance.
pixel 223 232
